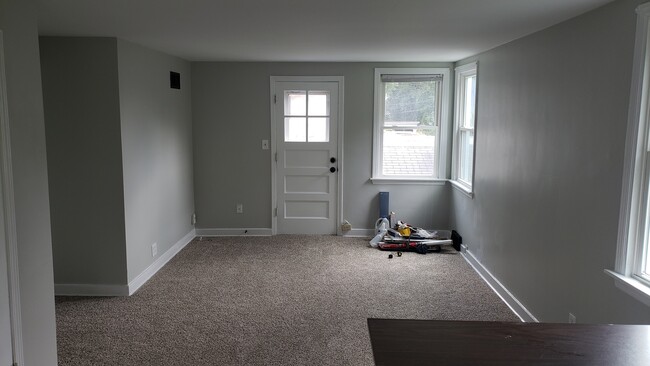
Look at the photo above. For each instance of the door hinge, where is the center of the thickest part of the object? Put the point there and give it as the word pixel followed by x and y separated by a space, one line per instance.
pixel 275 98
pixel 276 157
pixel 275 212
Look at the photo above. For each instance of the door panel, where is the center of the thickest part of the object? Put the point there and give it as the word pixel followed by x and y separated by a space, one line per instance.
pixel 306 184
pixel 306 125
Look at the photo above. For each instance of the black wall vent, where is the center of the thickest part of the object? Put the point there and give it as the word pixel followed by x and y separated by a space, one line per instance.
pixel 174 80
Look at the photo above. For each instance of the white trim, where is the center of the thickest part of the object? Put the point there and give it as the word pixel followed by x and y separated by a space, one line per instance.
pixel 445 119
pixel 427 182
pixel 84 289
pixel 515 305
pixel 462 188
pixel 340 80
pixel 360 233
pixel 6 173
pixel 159 263
pixel 234 232
pixel 80 289
pixel 632 287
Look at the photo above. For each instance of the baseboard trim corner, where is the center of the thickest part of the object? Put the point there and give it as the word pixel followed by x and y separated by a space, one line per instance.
pixel 508 298
pixel 360 233
pixel 234 232
pixel 159 263
pixel 84 289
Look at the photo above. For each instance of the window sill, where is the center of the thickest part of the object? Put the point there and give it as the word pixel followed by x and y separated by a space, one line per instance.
pixel 462 188
pixel 412 181
pixel 632 287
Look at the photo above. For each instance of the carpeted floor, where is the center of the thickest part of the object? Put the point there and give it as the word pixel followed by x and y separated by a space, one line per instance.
pixel 282 300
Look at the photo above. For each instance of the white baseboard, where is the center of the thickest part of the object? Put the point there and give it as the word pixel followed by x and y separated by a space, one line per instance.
pixel 234 232
pixel 360 233
pixel 505 295
pixel 68 289
pixel 159 263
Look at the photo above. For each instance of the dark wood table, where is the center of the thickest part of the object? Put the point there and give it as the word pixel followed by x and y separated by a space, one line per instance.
pixel 471 343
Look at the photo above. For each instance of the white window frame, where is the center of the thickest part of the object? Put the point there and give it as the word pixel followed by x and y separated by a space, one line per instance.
pixel 634 210
pixel 441 136
pixel 463 72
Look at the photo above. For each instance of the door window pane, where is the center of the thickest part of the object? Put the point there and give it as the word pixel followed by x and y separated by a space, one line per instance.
pixel 318 129
pixel 295 129
pixel 319 103
pixel 295 103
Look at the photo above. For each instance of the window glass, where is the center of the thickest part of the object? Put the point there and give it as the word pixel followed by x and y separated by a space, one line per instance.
pixel 470 101
pixel 408 153
pixel 295 129
pixel 409 111
pixel 318 128
pixel 295 103
pixel 319 103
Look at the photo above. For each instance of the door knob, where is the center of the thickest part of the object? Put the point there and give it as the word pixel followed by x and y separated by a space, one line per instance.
pixel 332 169
pixel 332 160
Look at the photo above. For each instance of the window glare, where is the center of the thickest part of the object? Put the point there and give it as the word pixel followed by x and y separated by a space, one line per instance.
pixel 318 128
pixel 295 129
pixel 319 103
pixel 295 103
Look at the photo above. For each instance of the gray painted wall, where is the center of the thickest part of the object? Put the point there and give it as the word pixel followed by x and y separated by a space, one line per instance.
pixel 82 123
pixel 156 125
pixel 231 107
pixel 25 107
pixel 552 116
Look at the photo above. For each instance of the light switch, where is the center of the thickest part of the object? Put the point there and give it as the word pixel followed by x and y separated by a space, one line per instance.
pixel 265 144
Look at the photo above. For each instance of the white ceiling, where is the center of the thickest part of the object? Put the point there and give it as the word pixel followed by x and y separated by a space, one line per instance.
pixel 310 30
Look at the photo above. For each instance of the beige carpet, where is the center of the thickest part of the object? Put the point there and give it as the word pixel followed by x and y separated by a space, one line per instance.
pixel 283 300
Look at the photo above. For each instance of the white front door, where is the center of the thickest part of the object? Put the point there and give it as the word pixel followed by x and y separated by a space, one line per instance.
pixel 306 121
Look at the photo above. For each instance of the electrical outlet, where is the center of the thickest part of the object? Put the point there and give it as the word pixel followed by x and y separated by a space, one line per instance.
pixel 154 249
pixel 193 219
pixel 572 318
pixel 265 144
pixel 240 208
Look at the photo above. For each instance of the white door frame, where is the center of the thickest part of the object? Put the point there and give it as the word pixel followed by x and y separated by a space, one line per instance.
pixel 8 208
pixel 274 148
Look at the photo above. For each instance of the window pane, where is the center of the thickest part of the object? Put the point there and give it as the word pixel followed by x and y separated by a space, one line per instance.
pixel 410 104
pixel 466 159
pixel 295 103
pixel 319 103
pixel 318 129
pixel 470 101
pixel 295 129
pixel 408 153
